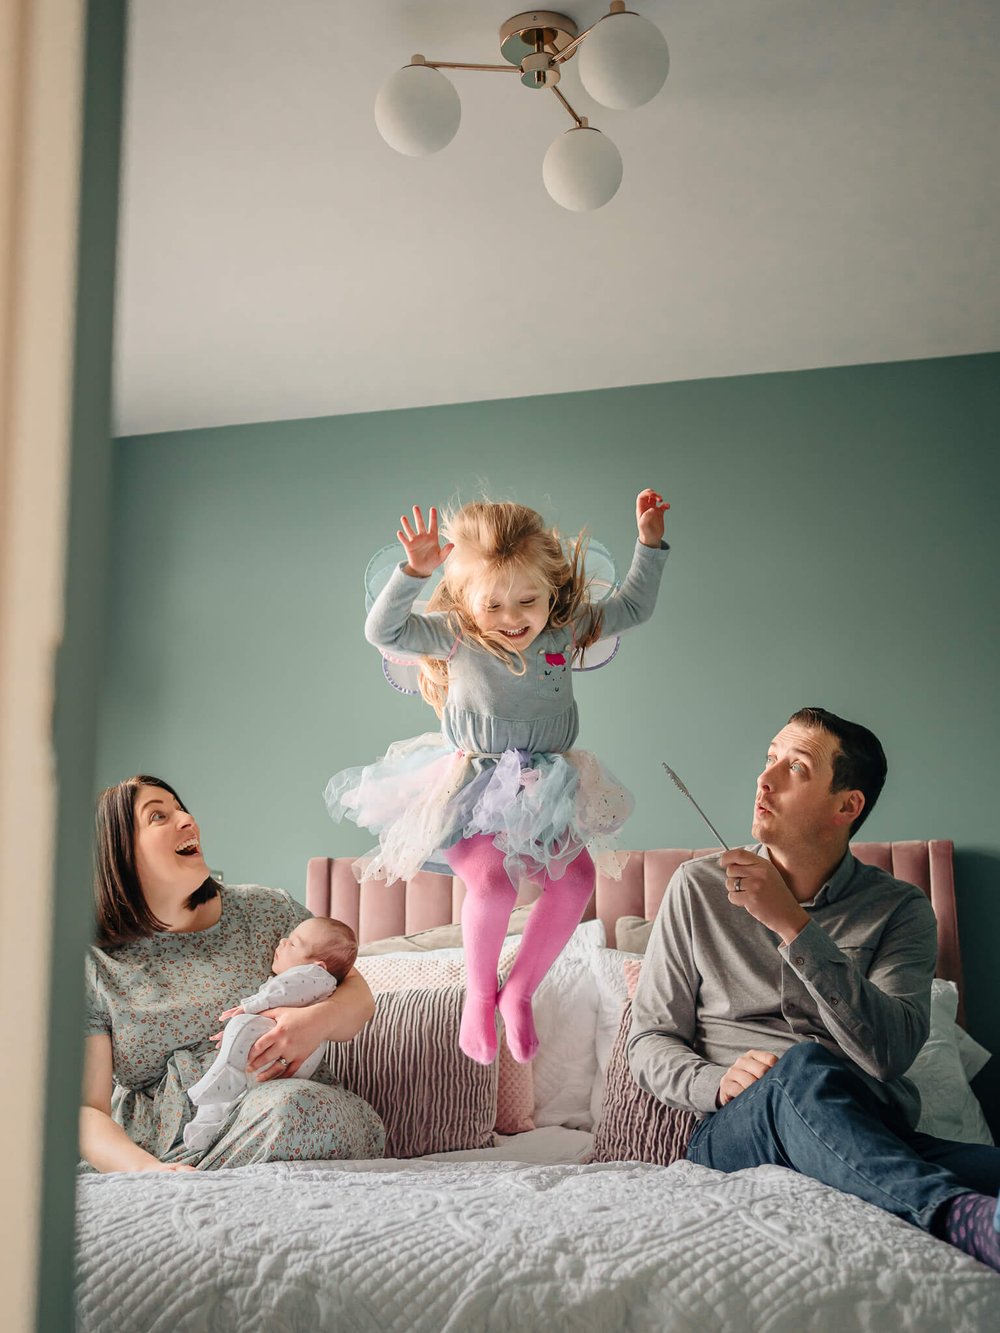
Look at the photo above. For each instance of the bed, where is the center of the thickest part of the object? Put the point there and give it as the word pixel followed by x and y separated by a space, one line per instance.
pixel 507 1204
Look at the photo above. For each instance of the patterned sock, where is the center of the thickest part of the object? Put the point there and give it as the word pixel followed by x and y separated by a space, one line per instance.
pixel 969 1223
pixel 553 919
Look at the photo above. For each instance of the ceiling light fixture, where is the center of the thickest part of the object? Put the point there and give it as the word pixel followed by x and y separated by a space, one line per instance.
pixel 623 64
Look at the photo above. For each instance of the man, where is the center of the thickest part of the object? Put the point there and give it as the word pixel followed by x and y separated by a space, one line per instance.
pixel 786 990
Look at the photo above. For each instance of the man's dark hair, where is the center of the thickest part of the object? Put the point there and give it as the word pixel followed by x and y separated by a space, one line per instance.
pixel 121 909
pixel 858 765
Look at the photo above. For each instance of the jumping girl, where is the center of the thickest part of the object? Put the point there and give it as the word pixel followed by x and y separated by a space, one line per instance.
pixel 499 794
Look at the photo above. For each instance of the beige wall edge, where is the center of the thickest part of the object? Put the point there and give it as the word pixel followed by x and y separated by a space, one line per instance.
pixel 41 64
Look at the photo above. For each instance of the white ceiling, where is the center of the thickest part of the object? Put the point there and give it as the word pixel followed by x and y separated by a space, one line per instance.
pixel 817 184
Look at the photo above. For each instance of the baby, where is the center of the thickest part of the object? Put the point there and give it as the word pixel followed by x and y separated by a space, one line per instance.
pixel 306 967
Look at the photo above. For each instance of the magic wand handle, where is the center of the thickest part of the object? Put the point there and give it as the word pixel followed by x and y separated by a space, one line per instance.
pixel 681 788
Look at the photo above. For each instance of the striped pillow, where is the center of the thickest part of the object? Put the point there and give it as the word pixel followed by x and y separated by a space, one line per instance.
pixel 406 1063
pixel 636 1126
pixel 515 1082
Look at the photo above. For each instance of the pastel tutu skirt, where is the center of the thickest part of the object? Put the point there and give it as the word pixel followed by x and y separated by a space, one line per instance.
pixel 541 809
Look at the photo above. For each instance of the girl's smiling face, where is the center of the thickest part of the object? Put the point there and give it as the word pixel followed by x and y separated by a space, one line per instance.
pixel 511 607
pixel 168 854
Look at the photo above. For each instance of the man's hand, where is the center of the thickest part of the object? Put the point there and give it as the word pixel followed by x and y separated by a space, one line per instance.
pixel 745 1072
pixel 763 893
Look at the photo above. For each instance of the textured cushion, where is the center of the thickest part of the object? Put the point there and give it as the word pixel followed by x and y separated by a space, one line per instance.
pixel 632 933
pixel 406 1063
pixel 446 967
pixel 438 937
pixel 635 1125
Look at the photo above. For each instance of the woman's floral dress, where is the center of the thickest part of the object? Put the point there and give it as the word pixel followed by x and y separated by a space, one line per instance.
pixel 159 1000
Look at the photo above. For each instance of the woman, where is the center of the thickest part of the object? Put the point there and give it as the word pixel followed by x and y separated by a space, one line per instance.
pixel 173 948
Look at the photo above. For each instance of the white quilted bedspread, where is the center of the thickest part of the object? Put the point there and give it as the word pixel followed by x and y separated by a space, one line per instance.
pixel 423 1247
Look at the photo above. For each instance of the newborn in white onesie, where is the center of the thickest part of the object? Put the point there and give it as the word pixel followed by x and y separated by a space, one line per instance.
pixel 307 966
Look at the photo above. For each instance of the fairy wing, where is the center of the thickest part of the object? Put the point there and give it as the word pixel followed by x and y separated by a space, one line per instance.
pixel 602 581
pixel 401 670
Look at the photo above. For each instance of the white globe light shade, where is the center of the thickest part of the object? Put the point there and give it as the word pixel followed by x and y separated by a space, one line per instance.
pixel 624 62
pixel 582 170
pixel 417 111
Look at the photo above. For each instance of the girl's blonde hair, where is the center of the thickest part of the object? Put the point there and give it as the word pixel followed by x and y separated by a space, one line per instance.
pixel 505 538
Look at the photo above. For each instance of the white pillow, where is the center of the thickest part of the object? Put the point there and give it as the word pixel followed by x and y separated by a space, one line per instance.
pixel 948 1106
pixel 972 1055
pixel 565 1009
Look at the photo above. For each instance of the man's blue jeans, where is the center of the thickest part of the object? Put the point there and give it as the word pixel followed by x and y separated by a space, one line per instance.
pixel 813 1114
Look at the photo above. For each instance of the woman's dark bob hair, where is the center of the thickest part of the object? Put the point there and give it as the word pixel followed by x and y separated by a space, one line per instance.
pixel 122 912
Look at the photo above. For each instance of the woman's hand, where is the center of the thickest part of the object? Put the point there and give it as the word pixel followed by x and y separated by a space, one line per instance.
pixel 103 1142
pixel 423 550
pixel 649 510
pixel 297 1032
pixel 295 1035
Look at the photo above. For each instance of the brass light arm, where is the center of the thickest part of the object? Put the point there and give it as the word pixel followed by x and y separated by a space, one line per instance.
pixel 616 7
pixel 454 64
pixel 581 122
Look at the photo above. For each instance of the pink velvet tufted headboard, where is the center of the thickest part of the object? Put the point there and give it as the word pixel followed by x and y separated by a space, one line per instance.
pixel 434 900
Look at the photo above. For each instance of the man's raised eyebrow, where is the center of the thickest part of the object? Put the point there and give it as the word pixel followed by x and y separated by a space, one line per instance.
pixel 792 749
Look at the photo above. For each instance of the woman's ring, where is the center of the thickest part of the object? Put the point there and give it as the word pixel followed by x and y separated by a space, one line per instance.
pixel 282 1061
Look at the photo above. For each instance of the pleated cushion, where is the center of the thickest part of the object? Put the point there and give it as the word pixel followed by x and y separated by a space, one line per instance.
pixel 406 1063
pixel 636 1126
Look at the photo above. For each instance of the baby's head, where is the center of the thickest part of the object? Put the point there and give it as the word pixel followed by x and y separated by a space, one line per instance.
pixel 321 940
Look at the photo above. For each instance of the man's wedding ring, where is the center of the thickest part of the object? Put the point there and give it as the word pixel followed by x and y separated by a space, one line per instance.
pixel 738 886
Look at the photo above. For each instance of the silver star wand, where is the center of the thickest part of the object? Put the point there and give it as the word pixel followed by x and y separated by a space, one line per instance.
pixel 738 886
pixel 681 788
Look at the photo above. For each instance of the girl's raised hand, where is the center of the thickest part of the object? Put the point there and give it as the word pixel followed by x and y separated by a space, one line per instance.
pixel 423 550
pixel 649 510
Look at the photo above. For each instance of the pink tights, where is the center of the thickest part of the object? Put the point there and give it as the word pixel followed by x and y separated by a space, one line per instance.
pixel 489 900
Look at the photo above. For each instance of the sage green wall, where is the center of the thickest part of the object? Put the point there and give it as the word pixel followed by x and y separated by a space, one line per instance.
pixel 833 542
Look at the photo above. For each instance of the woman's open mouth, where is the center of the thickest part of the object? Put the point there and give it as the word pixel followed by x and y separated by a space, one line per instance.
pixel 189 848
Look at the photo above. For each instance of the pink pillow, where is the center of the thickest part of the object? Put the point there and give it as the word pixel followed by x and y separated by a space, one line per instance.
pixel 636 1126
pixel 406 1063
pixel 515 1082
